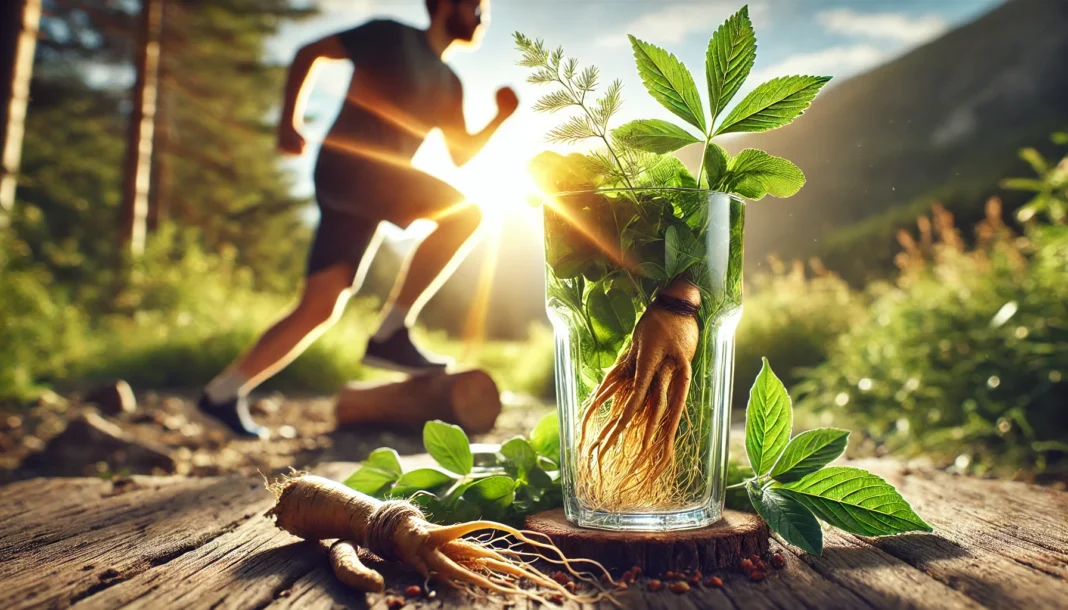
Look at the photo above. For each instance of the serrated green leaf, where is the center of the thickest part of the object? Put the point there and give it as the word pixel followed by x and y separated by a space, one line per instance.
pixel 773 104
pixel 654 135
pixel 421 479
pixel 379 471
pixel 768 419
pixel 681 250
pixel 545 437
pixel 808 452
pixel 519 452
pixel 716 161
pixel 856 501
pixel 669 82
pixel 448 445
pixel 728 60
pixel 496 491
pixel 754 173
pixel 787 518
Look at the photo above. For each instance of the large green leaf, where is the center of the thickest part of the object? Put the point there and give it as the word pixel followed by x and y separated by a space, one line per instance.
pixel 754 173
pixel 730 56
pixel 377 472
pixel 716 162
pixel 448 444
pixel 545 437
pixel 808 452
pixel 669 82
pixel 612 315
pixel 773 104
pixel 421 479
pixel 856 501
pixel 654 135
pixel 787 518
pixel 768 418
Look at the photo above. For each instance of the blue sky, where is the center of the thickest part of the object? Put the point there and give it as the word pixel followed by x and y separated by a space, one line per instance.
pixel 827 37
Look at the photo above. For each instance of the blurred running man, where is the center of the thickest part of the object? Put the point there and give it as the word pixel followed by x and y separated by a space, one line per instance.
pixel 401 88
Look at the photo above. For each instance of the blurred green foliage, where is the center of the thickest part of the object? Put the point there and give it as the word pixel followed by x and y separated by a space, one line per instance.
pixel 964 356
pixel 791 316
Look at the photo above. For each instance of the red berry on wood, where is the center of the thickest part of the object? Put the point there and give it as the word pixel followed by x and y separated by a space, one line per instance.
pixel 679 587
pixel 655 585
pixel 777 560
pixel 714 581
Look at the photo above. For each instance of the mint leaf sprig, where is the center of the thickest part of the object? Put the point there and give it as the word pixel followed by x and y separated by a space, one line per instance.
pixel 522 477
pixel 791 486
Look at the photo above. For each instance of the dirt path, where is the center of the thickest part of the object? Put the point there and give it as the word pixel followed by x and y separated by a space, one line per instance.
pixel 33 442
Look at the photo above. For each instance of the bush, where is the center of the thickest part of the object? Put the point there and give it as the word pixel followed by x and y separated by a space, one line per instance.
pixel 964 358
pixel 793 318
pixel 40 332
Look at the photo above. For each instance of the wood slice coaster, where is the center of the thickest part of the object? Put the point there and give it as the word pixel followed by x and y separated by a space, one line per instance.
pixel 720 545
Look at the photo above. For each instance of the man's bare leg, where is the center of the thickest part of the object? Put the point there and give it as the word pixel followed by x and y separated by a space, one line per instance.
pixel 426 269
pixel 321 304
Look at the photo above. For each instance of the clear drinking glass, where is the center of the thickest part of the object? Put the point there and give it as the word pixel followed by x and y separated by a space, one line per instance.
pixel 611 258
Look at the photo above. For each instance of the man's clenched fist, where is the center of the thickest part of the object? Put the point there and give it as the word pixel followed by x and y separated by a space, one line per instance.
pixel 507 102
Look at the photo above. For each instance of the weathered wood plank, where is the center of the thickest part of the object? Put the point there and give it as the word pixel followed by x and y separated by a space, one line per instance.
pixel 242 567
pixel 976 556
pixel 880 579
pixel 123 535
pixel 30 513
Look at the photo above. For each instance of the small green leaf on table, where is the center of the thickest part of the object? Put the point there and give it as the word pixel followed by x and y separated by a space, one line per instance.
pixel 519 453
pixel 787 518
pixel 856 501
pixel 492 492
pixel 768 419
pixel 377 472
pixel 448 445
pixel 421 479
pixel 808 452
pixel 545 438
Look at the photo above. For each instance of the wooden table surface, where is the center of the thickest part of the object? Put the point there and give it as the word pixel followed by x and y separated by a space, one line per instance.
pixel 179 542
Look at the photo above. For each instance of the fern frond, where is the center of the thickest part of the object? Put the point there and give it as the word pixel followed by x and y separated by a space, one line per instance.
pixel 570 67
pixel 541 76
pixel 608 104
pixel 587 81
pixel 555 101
pixel 572 131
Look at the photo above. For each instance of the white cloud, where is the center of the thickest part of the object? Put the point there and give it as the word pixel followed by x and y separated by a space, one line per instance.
pixel 672 23
pixel 885 26
pixel 833 61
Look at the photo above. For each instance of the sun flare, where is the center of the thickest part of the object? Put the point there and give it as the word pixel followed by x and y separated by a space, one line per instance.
pixel 496 179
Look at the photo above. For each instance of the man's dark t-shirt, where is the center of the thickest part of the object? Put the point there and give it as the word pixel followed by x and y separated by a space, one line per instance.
pixel 400 90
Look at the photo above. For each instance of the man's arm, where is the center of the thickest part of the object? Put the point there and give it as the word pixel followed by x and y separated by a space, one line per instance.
pixel 463 146
pixel 298 86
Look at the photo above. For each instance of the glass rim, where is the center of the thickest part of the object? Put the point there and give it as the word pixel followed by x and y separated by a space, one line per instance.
pixel 626 189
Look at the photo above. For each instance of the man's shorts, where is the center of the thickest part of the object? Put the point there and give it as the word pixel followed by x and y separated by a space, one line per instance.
pixel 354 198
